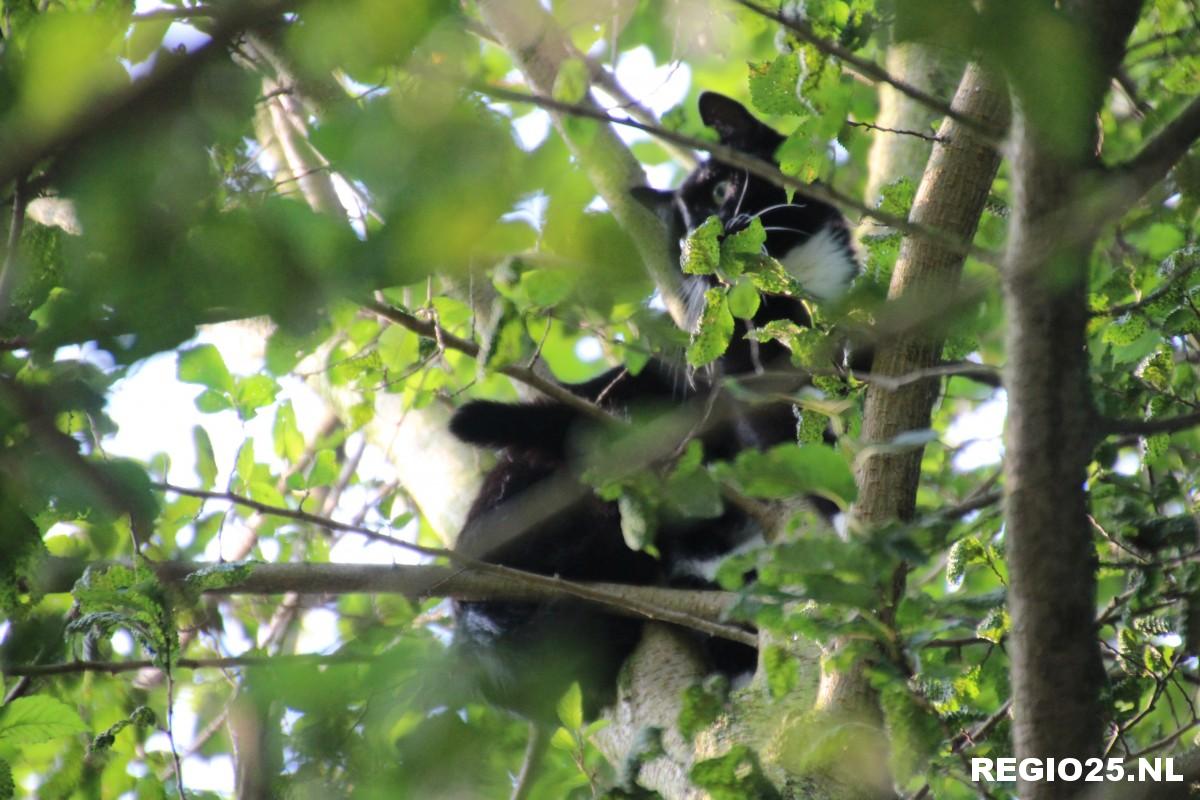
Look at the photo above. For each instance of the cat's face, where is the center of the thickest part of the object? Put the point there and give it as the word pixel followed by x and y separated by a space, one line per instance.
pixel 716 188
pixel 810 238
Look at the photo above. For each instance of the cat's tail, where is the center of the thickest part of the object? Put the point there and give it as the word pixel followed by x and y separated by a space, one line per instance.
pixel 538 427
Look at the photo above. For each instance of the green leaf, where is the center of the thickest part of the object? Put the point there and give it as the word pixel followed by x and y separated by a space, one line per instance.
pixel 398 348
pixel 203 365
pixel 782 671
pixel 702 249
pixel 252 393
pixel 716 328
pixel 897 197
pixel 748 240
pixel 770 276
pixel 563 740
pixel 572 81
pixel 244 463
pixel 773 85
pixel 40 718
pixel 289 442
pixel 702 705
pixel 570 708
pixel 737 775
pixel 206 461
pixel 211 402
pixel 788 470
pixel 7 787
pixel 547 287
pixel 324 470
pixel 693 493
pixel 744 299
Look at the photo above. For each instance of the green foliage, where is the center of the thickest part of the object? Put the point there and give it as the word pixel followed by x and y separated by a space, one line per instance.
pixel 31 720
pixel 217 196
pixel 737 775
pixel 117 596
pixel 786 471
pixel 716 328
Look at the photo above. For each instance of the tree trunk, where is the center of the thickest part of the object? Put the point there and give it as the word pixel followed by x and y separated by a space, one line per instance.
pixel 1057 673
pixel 894 156
pixel 950 197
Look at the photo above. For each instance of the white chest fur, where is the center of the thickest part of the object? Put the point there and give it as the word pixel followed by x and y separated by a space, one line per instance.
pixel 823 264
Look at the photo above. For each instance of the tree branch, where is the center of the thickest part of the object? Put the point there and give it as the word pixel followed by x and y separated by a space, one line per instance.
pixel 1129 181
pixel 421 581
pixel 873 72
pixel 115 667
pixel 1161 291
pixel 1149 427
pixel 539 49
pixel 444 338
pixel 8 272
pixel 757 166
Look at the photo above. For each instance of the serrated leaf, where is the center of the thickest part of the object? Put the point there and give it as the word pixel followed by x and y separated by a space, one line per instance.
pixel 782 671
pixel 770 276
pixel 702 248
pixel 40 718
pixel 750 239
pixel 773 85
pixel 716 328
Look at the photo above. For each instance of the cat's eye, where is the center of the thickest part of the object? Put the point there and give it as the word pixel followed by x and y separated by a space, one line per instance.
pixel 722 191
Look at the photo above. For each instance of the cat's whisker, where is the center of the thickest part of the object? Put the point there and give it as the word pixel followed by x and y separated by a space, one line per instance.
pixel 778 206
pixel 781 228
pixel 745 185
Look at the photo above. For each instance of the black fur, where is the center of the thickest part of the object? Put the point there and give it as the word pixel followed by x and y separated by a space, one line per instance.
pixel 527 654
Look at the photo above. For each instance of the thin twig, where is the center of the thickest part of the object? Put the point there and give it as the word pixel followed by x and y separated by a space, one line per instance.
pixel 757 166
pixel 980 372
pixel 873 127
pixel 599 595
pixel 8 272
pixel 445 339
pixel 227 662
pixel 1161 291
pixel 870 70
pixel 1149 427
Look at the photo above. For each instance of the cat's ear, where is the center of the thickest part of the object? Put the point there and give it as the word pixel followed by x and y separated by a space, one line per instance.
pixel 736 126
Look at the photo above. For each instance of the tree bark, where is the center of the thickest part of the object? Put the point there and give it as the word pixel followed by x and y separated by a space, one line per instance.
pixel 894 156
pixel 539 50
pixel 1057 673
pixel 950 197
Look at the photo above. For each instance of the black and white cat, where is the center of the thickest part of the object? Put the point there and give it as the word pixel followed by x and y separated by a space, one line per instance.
pixel 525 655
